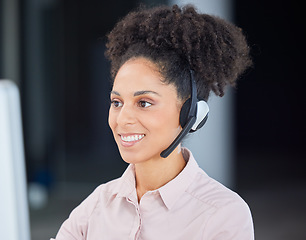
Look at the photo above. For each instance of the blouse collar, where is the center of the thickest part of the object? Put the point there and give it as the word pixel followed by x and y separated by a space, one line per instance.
pixel 170 192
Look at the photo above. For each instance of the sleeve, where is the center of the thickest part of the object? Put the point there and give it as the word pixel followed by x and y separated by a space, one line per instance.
pixel 230 222
pixel 75 227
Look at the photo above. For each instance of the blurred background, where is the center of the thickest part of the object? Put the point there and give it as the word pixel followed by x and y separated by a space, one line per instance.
pixel 54 51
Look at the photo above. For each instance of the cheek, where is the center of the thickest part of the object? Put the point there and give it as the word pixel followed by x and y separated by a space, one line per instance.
pixel 163 121
pixel 111 119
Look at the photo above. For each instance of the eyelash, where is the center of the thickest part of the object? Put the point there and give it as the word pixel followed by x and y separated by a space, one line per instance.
pixel 145 102
pixel 139 103
pixel 114 102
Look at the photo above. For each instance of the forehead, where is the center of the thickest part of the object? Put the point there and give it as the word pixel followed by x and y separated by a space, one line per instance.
pixel 140 74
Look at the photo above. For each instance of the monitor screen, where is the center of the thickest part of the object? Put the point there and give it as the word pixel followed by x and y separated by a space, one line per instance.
pixel 14 216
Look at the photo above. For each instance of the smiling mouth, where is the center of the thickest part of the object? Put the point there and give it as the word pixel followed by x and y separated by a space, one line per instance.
pixel 132 138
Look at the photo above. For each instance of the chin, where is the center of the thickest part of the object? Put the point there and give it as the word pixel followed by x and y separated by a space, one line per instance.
pixel 134 157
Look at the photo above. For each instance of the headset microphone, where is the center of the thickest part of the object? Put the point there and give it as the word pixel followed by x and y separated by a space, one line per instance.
pixel 193 116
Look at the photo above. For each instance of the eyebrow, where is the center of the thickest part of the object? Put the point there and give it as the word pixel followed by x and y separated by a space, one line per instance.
pixel 115 93
pixel 138 93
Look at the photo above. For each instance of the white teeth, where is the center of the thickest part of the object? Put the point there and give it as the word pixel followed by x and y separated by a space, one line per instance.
pixel 132 138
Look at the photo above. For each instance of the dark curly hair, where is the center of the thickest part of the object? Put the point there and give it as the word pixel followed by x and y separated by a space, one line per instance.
pixel 178 40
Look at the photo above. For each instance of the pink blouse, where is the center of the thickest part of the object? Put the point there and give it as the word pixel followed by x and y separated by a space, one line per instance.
pixel 192 206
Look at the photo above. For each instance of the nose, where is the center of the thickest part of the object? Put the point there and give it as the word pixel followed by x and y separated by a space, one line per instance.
pixel 126 116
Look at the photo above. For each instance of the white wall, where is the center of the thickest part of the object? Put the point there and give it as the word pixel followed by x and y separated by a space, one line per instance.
pixel 213 145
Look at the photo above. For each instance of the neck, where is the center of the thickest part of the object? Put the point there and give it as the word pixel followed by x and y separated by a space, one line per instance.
pixel 154 173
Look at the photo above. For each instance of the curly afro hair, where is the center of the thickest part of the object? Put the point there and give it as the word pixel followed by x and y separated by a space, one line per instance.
pixel 178 40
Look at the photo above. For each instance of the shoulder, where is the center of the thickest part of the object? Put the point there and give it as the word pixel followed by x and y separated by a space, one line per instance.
pixel 85 209
pixel 206 190
pixel 76 226
pixel 230 216
pixel 101 195
pixel 210 191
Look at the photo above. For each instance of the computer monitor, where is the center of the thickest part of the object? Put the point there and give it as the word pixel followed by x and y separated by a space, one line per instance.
pixel 14 213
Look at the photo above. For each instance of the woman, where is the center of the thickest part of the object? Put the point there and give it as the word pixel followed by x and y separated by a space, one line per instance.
pixel 163 59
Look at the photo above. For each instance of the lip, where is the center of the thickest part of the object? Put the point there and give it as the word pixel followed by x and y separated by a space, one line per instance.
pixel 131 139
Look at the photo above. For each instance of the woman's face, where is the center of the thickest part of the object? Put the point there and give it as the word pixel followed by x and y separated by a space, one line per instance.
pixel 144 114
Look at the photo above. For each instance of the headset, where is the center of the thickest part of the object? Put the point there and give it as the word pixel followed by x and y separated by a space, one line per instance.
pixel 193 115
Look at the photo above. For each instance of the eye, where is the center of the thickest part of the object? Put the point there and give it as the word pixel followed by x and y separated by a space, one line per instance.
pixel 116 103
pixel 144 104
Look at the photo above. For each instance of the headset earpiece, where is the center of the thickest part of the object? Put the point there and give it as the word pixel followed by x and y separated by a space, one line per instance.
pixel 202 110
pixel 185 112
pixel 201 116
